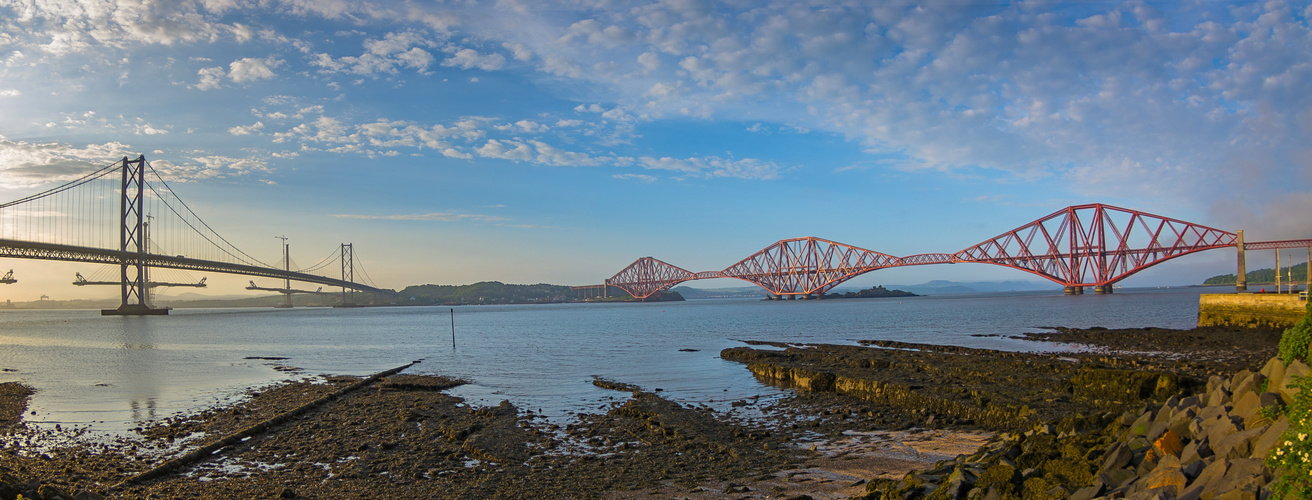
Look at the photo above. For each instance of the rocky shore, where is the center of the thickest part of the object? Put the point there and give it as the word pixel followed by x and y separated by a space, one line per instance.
pixel 1136 414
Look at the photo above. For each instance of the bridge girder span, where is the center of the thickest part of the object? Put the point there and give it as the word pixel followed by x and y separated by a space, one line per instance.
pixel 1081 245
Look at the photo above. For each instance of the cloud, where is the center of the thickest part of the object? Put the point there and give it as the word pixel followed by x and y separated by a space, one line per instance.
pixel 635 177
pixel 710 167
pixel 253 128
pixel 243 70
pixel 470 58
pixel 30 164
pixel 396 50
pixel 432 216
pixel 10 93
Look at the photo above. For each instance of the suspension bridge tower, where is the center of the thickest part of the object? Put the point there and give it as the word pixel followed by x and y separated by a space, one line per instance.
pixel 132 244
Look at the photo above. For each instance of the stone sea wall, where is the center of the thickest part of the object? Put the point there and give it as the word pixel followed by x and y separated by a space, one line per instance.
pixel 1207 445
pixel 1250 310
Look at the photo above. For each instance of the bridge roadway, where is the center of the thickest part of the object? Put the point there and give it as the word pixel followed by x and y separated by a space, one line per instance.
pixel 69 253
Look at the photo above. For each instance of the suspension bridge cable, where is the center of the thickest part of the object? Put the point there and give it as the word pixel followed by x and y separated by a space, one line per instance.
pixel 198 219
pixel 80 181
pixel 331 258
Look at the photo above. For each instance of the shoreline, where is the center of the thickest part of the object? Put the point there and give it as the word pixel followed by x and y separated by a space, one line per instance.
pixel 407 439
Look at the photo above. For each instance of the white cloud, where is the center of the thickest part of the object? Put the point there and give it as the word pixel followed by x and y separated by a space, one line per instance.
pixel 10 93
pixel 714 167
pixel 470 58
pixel 405 49
pixel 249 69
pixel 253 128
pixel 432 216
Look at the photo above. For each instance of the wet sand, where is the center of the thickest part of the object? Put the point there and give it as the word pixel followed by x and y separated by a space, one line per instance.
pixel 403 437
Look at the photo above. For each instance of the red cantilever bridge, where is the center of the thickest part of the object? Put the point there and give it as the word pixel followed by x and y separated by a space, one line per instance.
pixel 1093 245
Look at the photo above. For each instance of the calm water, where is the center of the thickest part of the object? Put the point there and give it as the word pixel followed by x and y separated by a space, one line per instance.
pixel 114 372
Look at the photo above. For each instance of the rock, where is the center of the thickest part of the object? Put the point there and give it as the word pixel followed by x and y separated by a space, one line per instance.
pixel 1195 451
pixel 1168 445
pixel 1218 431
pixel 1246 474
pixel 1141 425
pixel 1263 446
pixel 1237 495
pixel 1246 406
pixel 1187 403
pixel 1218 397
pixel 1270 400
pixel 1239 444
pixel 1166 478
pixel 1117 478
pixel 1118 456
pixel 1088 492
pixel 52 492
pixel 1211 474
pixel 1274 369
pixel 1192 470
pixel 87 495
pixel 1295 369
pixel 1246 382
pixel 1179 423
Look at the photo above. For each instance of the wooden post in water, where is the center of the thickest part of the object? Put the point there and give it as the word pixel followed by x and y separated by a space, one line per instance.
pixel 453 329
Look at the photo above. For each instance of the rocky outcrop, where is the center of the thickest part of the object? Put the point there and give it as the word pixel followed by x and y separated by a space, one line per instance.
pixel 1207 445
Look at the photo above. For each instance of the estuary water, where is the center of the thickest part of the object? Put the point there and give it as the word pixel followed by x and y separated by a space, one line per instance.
pixel 115 373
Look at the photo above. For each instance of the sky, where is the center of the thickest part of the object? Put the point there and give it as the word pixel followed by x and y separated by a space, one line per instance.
pixel 557 142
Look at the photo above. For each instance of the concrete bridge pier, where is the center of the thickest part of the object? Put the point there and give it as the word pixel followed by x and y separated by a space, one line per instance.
pixel 1241 276
pixel 1102 289
pixel 1074 290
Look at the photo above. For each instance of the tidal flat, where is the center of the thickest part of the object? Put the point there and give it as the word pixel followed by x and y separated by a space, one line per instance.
pixel 855 414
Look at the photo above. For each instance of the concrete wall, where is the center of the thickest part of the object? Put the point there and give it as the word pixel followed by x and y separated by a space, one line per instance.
pixel 1250 310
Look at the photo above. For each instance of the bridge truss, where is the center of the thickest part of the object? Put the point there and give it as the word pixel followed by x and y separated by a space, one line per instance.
pixel 1093 245
pixel 154 229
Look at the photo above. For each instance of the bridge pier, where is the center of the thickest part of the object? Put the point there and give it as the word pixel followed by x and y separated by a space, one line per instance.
pixel 1102 289
pixel 1074 290
pixel 1241 276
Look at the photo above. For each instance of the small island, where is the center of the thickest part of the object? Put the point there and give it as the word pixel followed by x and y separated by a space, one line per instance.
pixel 875 292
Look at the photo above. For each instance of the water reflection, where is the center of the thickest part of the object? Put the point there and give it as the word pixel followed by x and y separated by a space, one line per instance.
pixel 138 365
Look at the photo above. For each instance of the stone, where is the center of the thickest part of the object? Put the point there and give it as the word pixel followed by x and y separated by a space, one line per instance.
pixel 1237 495
pixel 1214 382
pixel 1246 406
pixel 88 495
pixel 1213 473
pixel 1239 444
pixel 1218 431
pixel 1250 382
pixel 1187 403
pixel 1218 397
pixel 1195 451
pixel 1243 474
pixel 1192 470
pixel 1170 480
pixel 1293 370
pixel 1271 438
pixel 52 492
pixel 1141 425
pixel 1270 400
pixel 1117 478
pixel 1212 412
pixel 1179 423
pixel 1118 456
pixel 1168 445
pixel 1274 369
pixel 1088 493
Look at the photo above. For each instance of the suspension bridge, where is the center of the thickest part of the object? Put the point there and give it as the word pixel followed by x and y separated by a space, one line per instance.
pixel 126 216
pixel 1094 245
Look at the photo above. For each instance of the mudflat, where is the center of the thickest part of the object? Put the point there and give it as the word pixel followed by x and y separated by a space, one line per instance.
pixel 858 413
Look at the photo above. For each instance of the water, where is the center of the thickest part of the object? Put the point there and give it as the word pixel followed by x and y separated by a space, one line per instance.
pixel 115 373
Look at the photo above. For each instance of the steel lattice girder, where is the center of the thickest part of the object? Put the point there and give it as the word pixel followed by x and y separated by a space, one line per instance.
pixel 1096 244
pixel 646 277
pixel 805 266
pixel 49 251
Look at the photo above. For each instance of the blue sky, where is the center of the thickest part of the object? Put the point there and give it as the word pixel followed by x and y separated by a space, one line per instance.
pixel 526 142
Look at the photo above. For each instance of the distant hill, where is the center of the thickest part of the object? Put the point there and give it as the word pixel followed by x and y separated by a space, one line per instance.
pixel 1263 276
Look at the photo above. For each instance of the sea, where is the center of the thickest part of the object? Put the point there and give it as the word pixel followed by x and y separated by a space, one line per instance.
pixel 110 374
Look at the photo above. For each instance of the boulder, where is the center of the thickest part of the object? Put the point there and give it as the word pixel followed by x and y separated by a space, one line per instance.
pixel 1271 438
pixel 1213 473
pixel 1170 480
pixel 1246 405
pixel 1295 369
pixel 1195 451
pixel 1168 445
pixel 1239 444
pixel 1117 456
pixel 1244 474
